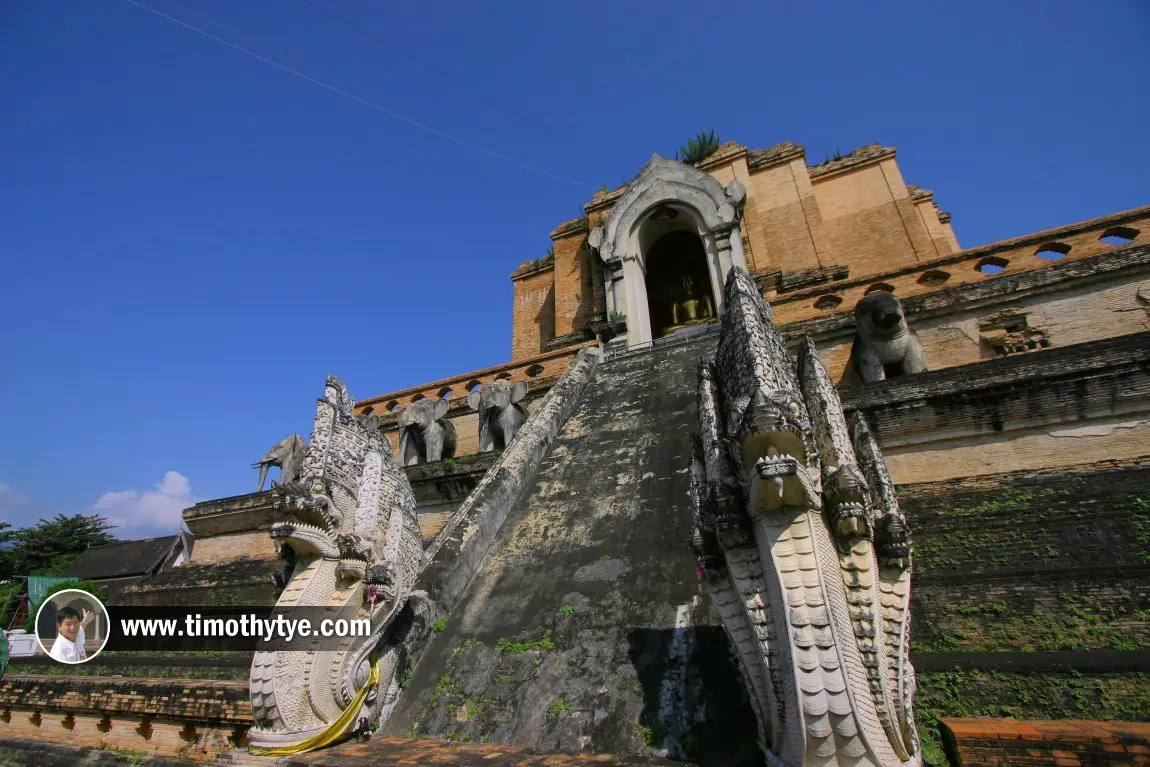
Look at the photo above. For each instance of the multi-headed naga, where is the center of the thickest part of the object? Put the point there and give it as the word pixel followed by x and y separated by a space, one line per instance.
pixel 803 549
pixel 349 538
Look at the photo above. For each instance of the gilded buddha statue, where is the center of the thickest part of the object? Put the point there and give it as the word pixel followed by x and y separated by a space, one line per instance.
pixel 694 308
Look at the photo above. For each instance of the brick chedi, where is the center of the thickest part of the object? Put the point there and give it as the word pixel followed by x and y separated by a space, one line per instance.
pixel 872 403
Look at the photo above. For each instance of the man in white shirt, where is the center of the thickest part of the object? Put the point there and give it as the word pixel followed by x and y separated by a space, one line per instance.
pixel 69 644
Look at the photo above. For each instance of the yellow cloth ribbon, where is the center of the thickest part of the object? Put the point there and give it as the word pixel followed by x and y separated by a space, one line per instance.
pixel 335 730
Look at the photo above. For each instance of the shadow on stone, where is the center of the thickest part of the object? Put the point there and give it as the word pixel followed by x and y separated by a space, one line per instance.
pixel 694 704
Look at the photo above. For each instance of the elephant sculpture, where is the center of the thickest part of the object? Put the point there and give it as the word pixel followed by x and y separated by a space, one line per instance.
pixel 424 434
pixel 287 455
pixel 884 346
pixel 500 414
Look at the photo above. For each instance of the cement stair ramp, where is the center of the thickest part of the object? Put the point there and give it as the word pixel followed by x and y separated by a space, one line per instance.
pixel 584 628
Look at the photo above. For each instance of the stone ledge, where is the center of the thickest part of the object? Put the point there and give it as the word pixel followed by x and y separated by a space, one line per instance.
pixel 727 152
pixel 489 373
pixel 819 275
pixel 237 513
pixel 972 254
pixel 779 154
pixel 864 155
pixel 1008 287
pixel 528 268
pixel 977 742
pixel 918 194
pixel 602 200
pixel 195 700
pixel 1130 351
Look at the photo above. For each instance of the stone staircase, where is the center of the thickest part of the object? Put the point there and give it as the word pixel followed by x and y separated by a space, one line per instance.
pixel 585 629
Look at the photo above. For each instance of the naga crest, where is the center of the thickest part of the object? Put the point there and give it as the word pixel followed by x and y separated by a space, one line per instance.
pixel 349 537
pixel 812 578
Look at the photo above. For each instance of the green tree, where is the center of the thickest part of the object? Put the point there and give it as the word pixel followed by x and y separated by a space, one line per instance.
pixel 699 148
pixel 91 587
pixel 50 545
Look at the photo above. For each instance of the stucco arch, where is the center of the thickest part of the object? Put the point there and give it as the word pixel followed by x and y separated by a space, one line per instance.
pixel 663 183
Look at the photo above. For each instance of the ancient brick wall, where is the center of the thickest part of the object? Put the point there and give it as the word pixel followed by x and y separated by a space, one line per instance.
pixel 1052 408
pixel 868 221
pixel 245 581
pixel 185 718
pixel 1008 258
pixel 1068 743
pixel 574 288
pixel 1026 561
pixel 1048 567
pixel 533 312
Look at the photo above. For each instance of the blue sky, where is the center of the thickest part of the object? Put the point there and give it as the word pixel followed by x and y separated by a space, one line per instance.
pixel 191 239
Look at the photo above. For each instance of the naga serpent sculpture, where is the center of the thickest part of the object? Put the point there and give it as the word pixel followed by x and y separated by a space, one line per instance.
pixel 802 548
pixel 350 540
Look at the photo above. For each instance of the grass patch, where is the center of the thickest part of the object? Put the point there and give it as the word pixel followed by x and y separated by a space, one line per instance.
pixel 516 648
pixel 558 706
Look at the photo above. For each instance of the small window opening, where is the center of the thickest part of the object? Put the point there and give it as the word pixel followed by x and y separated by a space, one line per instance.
pixel 827 303
pixel 534 370
pixel 1053 251
pixel 1119 235
pixel 991 265
pixel 445 393
pixel 884 287
pixel 933 277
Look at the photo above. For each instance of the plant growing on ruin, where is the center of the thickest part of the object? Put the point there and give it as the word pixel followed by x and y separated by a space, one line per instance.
pixel 652 736
pixel 558 706
pixel 517 648
pixel 440 625
pixel 568 609
pixel 699 148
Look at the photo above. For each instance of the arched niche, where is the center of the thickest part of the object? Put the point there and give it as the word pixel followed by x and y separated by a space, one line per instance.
pixel 666 197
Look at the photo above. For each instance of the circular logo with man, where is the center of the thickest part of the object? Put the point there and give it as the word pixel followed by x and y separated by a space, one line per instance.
pixel 72 626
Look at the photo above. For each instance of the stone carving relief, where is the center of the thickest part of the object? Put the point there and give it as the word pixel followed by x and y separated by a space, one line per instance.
pixel 884 346
pixel 425 434
pixel 802 549
pixel 1009 332
pixel 348 535
pixel 500 414
pixel 287 455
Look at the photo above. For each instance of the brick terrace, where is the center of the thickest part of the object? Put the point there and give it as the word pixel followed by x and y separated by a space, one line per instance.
pixel 977 742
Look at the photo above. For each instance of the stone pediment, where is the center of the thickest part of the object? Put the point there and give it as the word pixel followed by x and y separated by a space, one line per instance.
pixel 663 181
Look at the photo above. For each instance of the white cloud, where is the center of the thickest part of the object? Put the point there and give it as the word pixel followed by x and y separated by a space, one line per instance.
pixel 149 513
pixel 8 495
pixel 111 500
